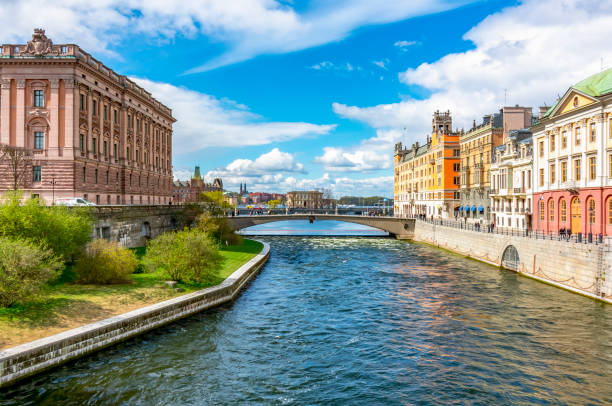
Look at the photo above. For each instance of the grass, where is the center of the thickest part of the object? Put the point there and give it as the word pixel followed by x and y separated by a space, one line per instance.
pixel 64 305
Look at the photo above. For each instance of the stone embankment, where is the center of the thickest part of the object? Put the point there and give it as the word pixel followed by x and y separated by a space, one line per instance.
pixel 578 267
pixel 31 358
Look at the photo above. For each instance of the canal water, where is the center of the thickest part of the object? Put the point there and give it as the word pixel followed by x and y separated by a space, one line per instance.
pixel 358 321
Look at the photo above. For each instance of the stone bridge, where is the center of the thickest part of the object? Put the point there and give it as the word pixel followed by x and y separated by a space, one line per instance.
pixel 399 228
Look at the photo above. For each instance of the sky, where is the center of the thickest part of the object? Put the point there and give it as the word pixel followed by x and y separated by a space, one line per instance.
pixel 296 95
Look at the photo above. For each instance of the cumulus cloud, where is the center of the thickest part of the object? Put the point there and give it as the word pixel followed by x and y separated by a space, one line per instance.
pixel 206 121
pixel 535 51
pixel 265 164
pixel 247 27
pixel 327 65
pixel 405 44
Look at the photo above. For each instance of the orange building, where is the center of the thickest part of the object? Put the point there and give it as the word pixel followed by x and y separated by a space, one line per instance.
pixel 426 180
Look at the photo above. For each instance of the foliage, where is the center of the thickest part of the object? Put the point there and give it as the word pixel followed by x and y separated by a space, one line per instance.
pixel 366 201
pixel 189 214
pixel 213 219
pixel 273 204
pixel 104 262
pixel 17 161
pixel 65 230
pixel 24 269
pixel 188 255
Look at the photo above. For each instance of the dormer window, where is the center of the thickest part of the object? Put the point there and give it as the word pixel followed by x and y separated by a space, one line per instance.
pixel 39 99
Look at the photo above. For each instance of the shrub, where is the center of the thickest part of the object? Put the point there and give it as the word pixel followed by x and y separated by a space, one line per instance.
pixel 188 255
pixel 104 262
pixel 219 228
pixel 24 269
pixel 65 230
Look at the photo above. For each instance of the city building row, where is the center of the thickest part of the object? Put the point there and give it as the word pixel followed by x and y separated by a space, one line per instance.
pixel 84 130
pixel 548 172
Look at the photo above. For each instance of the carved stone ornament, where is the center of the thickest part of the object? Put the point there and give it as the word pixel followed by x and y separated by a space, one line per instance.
pixel 39 45
pixel 6 83
pixel 39 113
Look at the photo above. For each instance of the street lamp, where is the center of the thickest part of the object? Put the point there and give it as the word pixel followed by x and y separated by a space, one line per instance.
pixel 53 189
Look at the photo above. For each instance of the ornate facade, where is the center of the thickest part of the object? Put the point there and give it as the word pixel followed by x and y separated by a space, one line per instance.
pixel 92 132
pixel 572 164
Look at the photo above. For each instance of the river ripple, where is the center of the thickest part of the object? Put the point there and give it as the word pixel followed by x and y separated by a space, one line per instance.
pixel 343 321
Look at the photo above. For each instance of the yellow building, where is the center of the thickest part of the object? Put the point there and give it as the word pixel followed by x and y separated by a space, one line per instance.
pixel 426 177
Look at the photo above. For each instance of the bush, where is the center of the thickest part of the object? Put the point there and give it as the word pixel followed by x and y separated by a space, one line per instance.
pixel 188 255
pixel 65 230
pixel 104 262
pixel 219 228
pixel 24 269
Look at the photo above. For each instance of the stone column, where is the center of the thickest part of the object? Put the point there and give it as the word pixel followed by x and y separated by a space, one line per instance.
pixel 20 127
pixel 54 118
pixel 5 111
pixel 71 119
pixel 89 124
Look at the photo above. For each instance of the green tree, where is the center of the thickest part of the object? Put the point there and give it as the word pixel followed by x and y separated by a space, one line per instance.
pixel 273 204
pixel 213 219
pixel 104 262
pixel 188 256
pixel 25 268
pixel 65 230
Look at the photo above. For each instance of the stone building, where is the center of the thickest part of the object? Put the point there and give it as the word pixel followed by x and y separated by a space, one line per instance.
pixel 312 199
pixel 511 182
pixel 189 191
pixel 572 164
pixel 92 132
pixel 426 177
pixel 477 148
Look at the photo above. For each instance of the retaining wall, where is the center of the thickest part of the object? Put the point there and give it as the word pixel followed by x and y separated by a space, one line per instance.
pixel 31 358
pixel 581 268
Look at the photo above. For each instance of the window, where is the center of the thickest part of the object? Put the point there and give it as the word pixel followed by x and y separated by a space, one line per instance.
pixel 541 176
pixel 96 176
pixel 591 206
pixel 117 178
pixel 129 121
pixel 39 99
pixel 81 102
pixel 541 210
pixel 105 112
pixel 82 142
pixel 36 173
pixel 456 167
pixel 563 210
pixel 138 127
pixel 610 165
pixel 541 149
pixel 114 150
pixel 551 210
pixel 105 146
pixel 39 140
pixel 130 179
pixel 93 145
pixel 609 211
pixel 137 156
pixel 84 177
pixel 553 173
pixel 455 180
pixel 95 107
pixel 552 142
pixel 593 132
pixel 107 177
pixel 529 179
pixel 592 168
pixel 564 139
pixel 115 120
pixel 128 153
pixel 564 171
pixel 577 169
pixel 578 134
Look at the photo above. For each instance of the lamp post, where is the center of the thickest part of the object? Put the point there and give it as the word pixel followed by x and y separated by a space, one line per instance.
pixel 53 189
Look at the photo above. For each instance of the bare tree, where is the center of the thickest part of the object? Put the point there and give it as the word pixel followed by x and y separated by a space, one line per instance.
pixel 17 160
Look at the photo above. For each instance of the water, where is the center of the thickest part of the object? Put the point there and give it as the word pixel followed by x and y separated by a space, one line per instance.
pixel 364 321
pixel 318 227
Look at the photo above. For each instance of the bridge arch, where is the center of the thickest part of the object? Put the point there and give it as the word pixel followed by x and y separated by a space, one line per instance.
pixel 510 258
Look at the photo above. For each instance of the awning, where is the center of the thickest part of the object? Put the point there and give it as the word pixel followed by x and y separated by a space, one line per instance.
pixel 481 209
pixel 473 208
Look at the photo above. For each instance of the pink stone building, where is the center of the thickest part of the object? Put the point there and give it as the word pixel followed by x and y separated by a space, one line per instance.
pixel 93 133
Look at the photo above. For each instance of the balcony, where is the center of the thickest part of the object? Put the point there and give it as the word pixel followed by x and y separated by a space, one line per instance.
pixel 519 190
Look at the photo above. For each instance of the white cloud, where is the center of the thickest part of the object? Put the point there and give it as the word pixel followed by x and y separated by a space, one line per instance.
pixel 265 164
pixel 405 44
pixel 382 64
pixel 327 65
pixel 205 121
pixel 248 27
pixel 535 50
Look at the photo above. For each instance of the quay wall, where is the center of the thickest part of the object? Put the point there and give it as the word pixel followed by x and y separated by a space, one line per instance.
pixel 27 359
pixel 578 267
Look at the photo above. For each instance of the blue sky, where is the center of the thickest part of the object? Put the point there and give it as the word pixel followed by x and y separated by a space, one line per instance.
pixel 290 95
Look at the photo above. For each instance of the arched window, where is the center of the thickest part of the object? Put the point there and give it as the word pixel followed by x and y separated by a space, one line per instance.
pixel 541 206
pixel 610 211
pixel 591 207
pixel 551 210
pixel 563 207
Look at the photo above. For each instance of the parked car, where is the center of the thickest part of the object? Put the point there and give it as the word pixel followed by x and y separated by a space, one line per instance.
pixel 74 201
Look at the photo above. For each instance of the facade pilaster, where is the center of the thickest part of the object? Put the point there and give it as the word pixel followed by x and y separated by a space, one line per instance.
pixel 70 118
pixel 54 118
pixel 5 111
pixel 20 102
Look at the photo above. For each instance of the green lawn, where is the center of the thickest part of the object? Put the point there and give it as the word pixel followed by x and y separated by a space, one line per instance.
pixel 65 305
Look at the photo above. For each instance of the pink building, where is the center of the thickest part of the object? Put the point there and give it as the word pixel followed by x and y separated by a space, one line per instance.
pixel 93 133
pixel 572 160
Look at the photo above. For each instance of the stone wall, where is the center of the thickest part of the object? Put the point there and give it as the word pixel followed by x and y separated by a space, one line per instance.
pixel 31 358
pixel 582 268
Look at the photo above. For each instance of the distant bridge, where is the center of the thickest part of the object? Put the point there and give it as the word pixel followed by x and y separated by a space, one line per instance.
pixel 399 228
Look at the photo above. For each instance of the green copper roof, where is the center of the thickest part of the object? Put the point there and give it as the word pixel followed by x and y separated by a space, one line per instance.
pixel 196 174
pixel 596 85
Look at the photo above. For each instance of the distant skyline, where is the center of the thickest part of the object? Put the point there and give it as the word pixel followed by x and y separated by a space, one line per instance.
pixel 289 95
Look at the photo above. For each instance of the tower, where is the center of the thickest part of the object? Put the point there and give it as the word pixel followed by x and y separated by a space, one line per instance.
pixel 441 123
